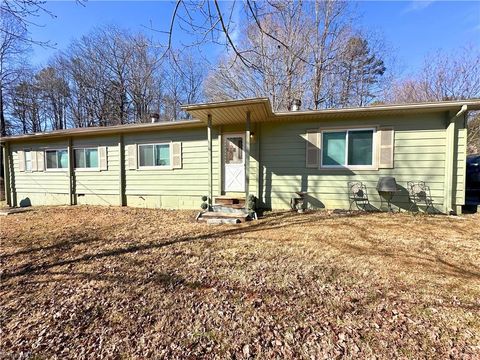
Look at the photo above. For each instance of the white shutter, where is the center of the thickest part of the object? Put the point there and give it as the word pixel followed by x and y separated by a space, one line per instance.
pixel 33 155
pixel 312 149
pixel 132 156
pixel 102 158
pixel 386 148
pixel 21 160
pixel 177 155
pixel 40 155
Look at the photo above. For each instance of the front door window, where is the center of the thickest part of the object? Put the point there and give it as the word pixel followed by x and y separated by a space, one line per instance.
pixel 234 150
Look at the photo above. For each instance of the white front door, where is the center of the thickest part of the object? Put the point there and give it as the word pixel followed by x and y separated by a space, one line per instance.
pixel 234 162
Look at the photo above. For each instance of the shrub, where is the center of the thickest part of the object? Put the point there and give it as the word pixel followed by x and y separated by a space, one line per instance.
pixel 251 202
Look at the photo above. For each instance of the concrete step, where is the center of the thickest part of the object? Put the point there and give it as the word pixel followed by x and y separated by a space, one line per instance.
pixel 223 215
pixel 223 221
pixel 234 209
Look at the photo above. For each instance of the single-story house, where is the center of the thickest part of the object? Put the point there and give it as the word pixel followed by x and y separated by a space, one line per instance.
pixel 242 147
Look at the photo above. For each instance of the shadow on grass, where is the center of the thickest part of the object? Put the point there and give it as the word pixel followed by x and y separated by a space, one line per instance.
pixel 272 221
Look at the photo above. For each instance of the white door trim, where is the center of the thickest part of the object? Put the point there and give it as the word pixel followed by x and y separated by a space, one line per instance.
pixel 233 174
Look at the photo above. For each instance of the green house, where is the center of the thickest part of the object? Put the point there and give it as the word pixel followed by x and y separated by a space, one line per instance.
pixel 236 148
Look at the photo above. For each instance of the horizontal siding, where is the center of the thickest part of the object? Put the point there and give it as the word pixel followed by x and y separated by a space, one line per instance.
pixel 277 170
pixel 39 187
pixel 419 155
pixel 98 184
pixel 189 181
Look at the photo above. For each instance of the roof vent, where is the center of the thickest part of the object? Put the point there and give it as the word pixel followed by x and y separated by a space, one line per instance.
pixel 296 104
pixel 154 118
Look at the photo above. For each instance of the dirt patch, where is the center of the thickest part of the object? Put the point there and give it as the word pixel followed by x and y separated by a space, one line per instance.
pixel 83 282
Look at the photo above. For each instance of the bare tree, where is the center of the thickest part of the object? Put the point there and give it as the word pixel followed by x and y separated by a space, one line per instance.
pixel 444 76
pixel 358 69
pixel 53 92
pixel 27 108
pixel 12 51
pixel 329 29
pixel 300 52
pixel 473 130
pixel 279 70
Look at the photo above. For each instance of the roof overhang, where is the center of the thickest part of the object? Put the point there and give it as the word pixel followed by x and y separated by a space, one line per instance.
pixel 260 110
pixel 232 111
pixel 235 111
pixel 107 130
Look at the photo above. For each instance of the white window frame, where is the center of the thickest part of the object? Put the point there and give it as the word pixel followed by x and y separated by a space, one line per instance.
pixel 25 151
pixel 155 167
pixel 57 168
pixel 373 166
pixel 87 168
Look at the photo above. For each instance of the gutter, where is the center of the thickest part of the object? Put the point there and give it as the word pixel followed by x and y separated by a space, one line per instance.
pixel 462 110
pixel 451 150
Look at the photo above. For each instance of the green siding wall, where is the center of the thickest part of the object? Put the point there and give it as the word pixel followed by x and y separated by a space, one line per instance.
pixel 96 187
pixel 176 188
pixel 277 167
pixel 39 187
pixel 419 154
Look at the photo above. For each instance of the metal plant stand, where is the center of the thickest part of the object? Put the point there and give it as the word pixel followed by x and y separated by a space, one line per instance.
pixel 299 202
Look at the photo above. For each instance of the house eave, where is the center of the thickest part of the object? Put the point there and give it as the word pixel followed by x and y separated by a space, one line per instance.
pixel 101 131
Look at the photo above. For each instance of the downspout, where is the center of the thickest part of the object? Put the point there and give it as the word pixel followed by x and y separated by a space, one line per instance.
pixel 71 174
pixel 121 174
pixel 247 155
pixel 210 160
pixel 6 173
pixel 450 152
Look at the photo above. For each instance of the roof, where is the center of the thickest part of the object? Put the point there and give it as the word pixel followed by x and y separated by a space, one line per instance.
pixel 235 111
pixel 260 109
pixel 106 130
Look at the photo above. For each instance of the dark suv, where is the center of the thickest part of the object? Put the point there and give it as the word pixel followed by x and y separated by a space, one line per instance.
pixel 472 194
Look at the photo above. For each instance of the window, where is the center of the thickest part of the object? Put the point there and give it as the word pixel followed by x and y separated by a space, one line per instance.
pixel 57 159
pixel 234 150
pixel 154 155
pixel 86 158
pixel 347 148
pixel 28 160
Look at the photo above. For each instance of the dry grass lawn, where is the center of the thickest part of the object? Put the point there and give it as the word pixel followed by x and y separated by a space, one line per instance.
pixel 91 282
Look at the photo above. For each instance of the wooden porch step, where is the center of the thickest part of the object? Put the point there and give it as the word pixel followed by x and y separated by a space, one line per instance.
pixel 229 200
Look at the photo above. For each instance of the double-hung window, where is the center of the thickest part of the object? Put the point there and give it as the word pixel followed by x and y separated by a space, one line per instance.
pixel 154 155
pixel 28 160
pixel 348 148
pixel 56 159
pixel 86 158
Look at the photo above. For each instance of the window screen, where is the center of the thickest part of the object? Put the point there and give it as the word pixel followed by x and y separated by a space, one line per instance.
pixel 334 148
pixel 347 148
pixel 57 159
pixel 360 147
pixel 86 158
pixel 156 155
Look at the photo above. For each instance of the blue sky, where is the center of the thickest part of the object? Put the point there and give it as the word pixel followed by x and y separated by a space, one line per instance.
pixel 411 29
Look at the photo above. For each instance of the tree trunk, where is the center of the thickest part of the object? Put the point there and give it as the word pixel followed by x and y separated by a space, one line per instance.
pixel 3 127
